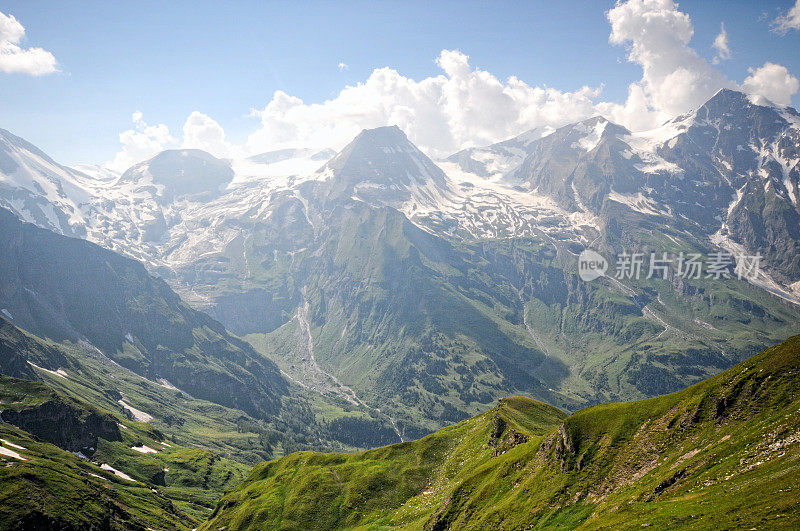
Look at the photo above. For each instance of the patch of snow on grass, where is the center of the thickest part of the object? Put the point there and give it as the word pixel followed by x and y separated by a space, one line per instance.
pixel 144 449
pixel 12 445
pixel 138 415
pixel 61 373
pixel 116 472
pixel 11 453
pixel 165 383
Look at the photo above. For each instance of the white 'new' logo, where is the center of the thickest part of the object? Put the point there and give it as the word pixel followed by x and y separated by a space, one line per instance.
pixel 591 265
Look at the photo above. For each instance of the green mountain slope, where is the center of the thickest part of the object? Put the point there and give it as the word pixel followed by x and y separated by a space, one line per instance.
pixel 105 317
pixel 85 375
pixel 68 423
pixel 305 421
pixel 73 437
pixel 410 300
pixel 44 487
pixel 723 453
pixel 434 331
pixel 69 289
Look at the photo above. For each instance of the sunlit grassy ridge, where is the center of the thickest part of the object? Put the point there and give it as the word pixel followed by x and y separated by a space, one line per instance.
pixel 724 453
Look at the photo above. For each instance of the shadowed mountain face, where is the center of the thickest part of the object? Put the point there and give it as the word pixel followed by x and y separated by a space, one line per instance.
pixel 723 453
pixel 428 292
pixel 68 289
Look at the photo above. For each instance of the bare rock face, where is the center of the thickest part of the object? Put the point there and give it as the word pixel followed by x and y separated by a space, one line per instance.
pixel 56 419
pixel 504 438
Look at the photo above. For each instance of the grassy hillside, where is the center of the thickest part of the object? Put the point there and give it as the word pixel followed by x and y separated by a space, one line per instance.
pixel 89 376
pixel 723 453
pixel 306 419
pixel 190 479
pixel 123 335
pixel 44 487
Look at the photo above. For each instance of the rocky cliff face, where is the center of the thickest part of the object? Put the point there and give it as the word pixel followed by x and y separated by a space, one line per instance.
pixel 55 422
pixel 53 418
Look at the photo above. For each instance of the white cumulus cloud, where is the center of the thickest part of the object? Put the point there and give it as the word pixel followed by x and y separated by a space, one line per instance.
pixel 772 81
pixel 674 77
pixel 14 59
pixel 790 21
pixel 461 107
pixel 722 46
pixel 203 132
pixel 464 105
pixel 140 143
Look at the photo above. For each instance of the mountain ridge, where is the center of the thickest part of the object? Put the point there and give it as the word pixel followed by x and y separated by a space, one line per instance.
pixel 657 462
pixel 82 292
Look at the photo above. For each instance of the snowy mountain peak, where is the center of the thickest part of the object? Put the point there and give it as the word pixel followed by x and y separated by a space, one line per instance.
pixel 382 167
pixel 588 134
pixel 731 101
pixel 181 172
pixel 10 142
pixel 568 184
pixel 497 160
pixel 734 106
pixel 387 136
pixel 39 190
pixel 384 157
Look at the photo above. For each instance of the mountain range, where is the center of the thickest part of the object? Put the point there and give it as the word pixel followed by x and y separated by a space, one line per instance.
pixel 344 281
pixel 165 330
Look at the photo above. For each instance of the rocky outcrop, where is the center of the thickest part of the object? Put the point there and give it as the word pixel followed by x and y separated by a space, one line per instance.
pixel 504 438
pixel 66 425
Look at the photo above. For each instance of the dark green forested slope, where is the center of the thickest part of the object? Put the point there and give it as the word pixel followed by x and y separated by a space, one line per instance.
pixel 724 453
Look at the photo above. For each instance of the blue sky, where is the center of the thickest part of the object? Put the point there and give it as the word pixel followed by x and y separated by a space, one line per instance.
pixel 168 59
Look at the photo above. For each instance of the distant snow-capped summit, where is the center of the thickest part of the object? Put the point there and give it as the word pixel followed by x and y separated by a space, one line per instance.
pixel 38 189
pixel 497 160
pixel 727 172
pixel 381 166
pixel 182 172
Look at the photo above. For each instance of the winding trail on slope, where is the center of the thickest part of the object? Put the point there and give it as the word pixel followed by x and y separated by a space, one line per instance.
pixel 529 328
pixel 318 379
